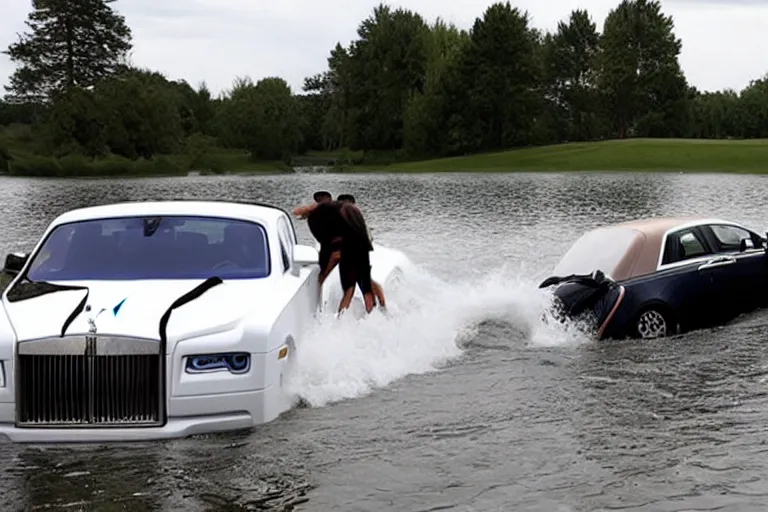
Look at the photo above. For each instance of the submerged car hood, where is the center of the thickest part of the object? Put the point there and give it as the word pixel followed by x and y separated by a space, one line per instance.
pixel 135 308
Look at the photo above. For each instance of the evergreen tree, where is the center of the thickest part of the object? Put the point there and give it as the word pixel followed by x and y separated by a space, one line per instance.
pixel 72 43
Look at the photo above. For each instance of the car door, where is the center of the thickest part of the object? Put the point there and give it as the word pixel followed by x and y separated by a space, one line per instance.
pixel 744 272
pixel 306 296
pixel 692 278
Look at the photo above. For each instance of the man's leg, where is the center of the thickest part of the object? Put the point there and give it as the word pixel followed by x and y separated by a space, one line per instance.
pixel 379 293
pixel 323 257
pixel 363 278
pixel 329 258
pixel 348 279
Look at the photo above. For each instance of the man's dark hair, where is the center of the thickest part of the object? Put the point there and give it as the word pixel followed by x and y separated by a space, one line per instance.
pixel 346 197
pixel 320 195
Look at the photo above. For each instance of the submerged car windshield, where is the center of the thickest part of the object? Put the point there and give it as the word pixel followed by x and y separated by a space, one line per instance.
pixel 171 247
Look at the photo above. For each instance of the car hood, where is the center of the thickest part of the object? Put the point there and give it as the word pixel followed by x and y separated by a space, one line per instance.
pixel 134 308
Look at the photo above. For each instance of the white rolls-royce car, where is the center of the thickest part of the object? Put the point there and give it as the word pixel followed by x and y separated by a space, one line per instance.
pixel 153 320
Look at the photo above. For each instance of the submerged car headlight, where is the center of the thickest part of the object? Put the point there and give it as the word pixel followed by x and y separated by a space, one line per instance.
pixel 234 362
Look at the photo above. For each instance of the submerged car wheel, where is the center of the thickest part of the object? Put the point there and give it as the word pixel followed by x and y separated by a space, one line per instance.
pixel 652 323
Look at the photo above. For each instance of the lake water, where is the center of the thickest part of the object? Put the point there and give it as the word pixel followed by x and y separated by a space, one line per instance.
pixel 463 400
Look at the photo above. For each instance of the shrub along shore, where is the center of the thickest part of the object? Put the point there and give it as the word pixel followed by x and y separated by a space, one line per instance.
pixel 639 155
pixel 113 165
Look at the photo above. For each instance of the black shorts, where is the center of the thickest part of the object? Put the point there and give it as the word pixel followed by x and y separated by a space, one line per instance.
pixel 325 252
pixel 355 269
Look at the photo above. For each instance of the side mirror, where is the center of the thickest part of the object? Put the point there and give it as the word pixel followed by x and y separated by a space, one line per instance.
pixel 746 244
pixel 304 255
pixel 14 262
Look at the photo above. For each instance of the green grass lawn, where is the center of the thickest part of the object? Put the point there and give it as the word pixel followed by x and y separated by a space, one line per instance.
pixel 697 155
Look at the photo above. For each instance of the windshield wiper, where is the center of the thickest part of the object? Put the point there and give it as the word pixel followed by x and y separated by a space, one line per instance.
pixel 191 295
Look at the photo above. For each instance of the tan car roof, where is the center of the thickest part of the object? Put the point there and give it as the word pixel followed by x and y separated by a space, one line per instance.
pixel 643 255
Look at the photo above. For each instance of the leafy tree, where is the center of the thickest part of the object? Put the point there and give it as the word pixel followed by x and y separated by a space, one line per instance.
pixel 496 82
pixel 136 113
pixel 427 113
pixel 570 58
pixel 262 118
pixel 753 111
pixel 196 108
pixel 640 73
pixel 141 113
pixel 70 44
pixel 75 124
pixel 714 115
pixel 333 89
pixel 403 88
pixel 13 113
pixel 386 65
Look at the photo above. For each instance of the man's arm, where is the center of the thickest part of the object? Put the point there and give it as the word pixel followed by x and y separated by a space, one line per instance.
pixel 303 211
pixel 332 262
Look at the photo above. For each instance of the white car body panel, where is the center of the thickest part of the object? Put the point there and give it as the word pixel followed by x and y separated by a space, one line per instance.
pixel 261 317
pixel 386 265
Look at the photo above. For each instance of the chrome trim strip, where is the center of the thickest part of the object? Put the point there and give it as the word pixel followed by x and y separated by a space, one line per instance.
pixel 688 225
pixel 718 261
pixel 90 344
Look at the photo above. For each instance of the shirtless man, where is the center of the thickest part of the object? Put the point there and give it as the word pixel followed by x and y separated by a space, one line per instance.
pixel 326 228
pixel 341 227
pixel 350 199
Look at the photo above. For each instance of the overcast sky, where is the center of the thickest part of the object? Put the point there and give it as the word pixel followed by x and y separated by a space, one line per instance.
pixel 217 40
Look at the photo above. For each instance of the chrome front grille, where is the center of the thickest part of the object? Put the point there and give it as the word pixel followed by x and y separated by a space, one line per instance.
pixel 90 381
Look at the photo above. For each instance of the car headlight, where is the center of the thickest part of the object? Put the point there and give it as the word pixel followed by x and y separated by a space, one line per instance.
pixel 233 362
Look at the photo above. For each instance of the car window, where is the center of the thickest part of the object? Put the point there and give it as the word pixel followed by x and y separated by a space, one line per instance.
pixel 167 247
pixel 728 238
pixel 683 245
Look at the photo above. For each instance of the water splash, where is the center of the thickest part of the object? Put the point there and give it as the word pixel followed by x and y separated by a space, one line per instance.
pixel 427 324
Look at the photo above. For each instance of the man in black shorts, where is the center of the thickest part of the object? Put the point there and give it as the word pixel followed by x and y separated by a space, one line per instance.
pixel 376 287
pixel 355 262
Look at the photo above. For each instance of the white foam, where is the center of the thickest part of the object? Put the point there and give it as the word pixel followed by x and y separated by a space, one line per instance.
pixel 426 323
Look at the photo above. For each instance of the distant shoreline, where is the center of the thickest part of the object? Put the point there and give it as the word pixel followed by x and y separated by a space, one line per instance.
pixel 627 155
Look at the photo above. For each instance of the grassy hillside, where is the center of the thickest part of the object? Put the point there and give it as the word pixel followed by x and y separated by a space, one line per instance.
pixel 745 156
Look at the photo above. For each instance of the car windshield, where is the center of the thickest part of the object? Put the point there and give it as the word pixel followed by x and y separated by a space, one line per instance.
pixel 600 249
pixel 173 247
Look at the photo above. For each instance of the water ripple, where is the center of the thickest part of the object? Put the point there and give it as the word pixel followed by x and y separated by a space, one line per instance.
pixel 667 425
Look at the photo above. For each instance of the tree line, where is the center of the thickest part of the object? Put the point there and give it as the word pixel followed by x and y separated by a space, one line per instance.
pixel 405 88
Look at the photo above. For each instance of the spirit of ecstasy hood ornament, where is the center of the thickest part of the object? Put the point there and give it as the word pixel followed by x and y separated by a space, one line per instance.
pixel 92 322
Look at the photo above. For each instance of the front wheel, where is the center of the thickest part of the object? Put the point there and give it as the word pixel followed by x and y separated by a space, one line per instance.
pixel 653 323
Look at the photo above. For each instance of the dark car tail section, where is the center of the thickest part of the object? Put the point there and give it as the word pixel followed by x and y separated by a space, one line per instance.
pixel 591 297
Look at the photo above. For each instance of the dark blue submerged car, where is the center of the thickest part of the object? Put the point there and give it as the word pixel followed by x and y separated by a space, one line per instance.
pixel 655 277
